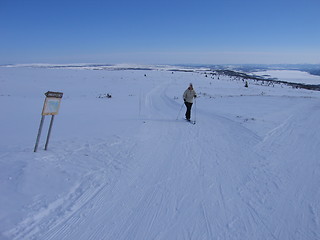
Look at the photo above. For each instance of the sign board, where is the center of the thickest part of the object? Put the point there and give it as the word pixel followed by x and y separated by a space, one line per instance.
pixel 52 103
pixel 50 107
pixel 54 94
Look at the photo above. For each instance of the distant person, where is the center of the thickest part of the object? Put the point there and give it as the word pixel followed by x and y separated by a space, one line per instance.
pixel 188 96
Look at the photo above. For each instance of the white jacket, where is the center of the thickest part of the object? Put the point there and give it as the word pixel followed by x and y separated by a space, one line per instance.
pixel 188 95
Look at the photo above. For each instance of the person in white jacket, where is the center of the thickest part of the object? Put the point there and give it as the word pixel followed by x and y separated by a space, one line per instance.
pixel 188 97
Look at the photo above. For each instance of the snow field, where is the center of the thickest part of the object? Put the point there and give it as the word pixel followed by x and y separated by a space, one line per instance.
pixel 125 168
pixel 294 76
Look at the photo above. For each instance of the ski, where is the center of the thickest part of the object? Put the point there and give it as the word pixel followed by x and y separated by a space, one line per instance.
pixel 191 121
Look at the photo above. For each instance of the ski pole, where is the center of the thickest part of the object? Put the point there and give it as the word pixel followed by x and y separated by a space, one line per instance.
pixel 195 109
pixel 180 111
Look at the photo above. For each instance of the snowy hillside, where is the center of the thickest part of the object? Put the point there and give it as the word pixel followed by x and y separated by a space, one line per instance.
pixel 130 167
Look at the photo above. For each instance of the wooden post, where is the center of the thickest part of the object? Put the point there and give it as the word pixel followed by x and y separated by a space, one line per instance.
pixel 39 133
pixel 49 132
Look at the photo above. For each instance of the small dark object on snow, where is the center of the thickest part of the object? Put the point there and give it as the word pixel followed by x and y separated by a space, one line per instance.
pixel 105 96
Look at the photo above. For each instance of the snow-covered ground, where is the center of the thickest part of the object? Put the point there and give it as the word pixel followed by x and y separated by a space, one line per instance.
pixel 293 76
pixel 130 167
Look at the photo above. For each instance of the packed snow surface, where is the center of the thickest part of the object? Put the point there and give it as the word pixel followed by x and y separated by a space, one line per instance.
pixel 130 167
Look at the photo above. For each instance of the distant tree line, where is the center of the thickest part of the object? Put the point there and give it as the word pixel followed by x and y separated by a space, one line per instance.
pixel 244 76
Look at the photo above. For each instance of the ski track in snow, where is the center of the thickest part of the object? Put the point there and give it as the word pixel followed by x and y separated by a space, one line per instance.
pixel 213 180
pixel 57 213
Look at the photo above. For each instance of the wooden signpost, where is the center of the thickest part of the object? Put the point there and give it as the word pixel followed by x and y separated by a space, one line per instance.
pixel 50 107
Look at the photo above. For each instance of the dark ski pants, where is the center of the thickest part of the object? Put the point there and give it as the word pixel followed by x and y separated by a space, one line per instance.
pixel 188 112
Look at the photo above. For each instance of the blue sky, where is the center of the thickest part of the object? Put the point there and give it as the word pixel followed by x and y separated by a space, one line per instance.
pixel 160 32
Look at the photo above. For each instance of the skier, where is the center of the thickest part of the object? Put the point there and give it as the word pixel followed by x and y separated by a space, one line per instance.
pixel 188 96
